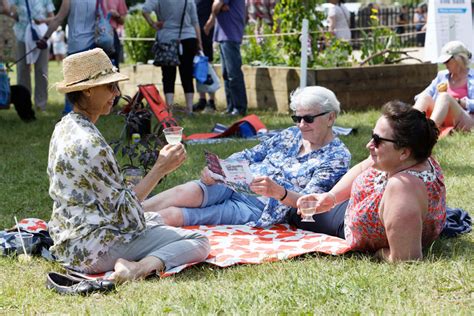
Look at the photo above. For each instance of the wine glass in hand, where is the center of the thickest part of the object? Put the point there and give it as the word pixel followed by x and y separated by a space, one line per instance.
pixel 307 208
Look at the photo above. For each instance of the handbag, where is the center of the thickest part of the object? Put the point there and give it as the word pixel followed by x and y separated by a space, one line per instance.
pixel 212 84
pixel 167 54
pixel 104 33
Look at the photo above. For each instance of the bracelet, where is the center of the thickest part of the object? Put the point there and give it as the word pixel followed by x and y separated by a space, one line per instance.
pixel 284 195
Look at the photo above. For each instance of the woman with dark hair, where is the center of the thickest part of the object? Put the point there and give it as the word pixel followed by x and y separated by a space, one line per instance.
pixel 98 223
pixel 393 203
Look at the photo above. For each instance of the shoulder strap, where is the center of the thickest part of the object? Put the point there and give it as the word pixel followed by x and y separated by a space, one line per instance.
pixel 97 11
pixel 182 18
pixel 33 31
pixel 28 10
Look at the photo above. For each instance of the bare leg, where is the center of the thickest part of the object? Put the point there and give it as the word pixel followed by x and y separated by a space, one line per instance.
pixel 131 270
pixel 189 102
pixel 446 110
pixel 185 195
pixel 172 216
pixel 169 98
pixel 425 103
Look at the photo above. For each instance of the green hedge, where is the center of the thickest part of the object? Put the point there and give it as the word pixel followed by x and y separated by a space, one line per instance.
pixel 137 27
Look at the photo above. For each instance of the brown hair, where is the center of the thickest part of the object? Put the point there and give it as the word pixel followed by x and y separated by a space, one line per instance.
pixel 411 129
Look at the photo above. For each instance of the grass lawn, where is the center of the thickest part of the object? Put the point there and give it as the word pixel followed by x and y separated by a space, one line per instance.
pixel 348 284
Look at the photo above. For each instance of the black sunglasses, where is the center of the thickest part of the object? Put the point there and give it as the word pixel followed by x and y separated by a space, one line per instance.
pixel 113 86
pixel 377 140
pixel 306 118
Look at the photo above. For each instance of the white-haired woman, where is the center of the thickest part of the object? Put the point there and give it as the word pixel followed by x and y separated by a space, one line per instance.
pixel 98 223
pixel 449 99
pixel 302 159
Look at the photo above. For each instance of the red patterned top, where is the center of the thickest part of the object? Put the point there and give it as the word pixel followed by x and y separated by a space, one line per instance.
pixel 363 228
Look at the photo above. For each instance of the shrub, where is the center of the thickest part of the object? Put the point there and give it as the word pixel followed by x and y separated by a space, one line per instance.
pixel 380 45
pixel 137 27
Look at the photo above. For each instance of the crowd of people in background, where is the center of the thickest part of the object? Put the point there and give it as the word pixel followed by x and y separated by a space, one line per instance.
pixel 206 25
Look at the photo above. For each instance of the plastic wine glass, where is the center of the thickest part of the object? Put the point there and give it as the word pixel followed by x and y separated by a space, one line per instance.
pixel 308 209
pixel 173 134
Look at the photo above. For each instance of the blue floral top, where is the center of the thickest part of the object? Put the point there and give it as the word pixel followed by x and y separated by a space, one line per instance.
pixel 277 157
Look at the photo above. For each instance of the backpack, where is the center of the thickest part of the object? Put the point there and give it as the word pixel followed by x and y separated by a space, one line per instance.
pixel 104 33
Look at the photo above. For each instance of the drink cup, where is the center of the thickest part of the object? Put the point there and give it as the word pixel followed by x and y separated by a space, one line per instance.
pixel 173 134
pixel 27 241
pixel 307 209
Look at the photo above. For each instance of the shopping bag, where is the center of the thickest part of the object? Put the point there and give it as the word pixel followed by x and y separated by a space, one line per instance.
pixel 211 84
pixel 103 33
pixel 200 68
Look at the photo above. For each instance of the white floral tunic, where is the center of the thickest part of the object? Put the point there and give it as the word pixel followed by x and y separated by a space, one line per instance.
pixel 93 208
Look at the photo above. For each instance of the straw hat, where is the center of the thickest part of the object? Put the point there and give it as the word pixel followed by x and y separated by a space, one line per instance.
pixel 451 49
pixel 88 69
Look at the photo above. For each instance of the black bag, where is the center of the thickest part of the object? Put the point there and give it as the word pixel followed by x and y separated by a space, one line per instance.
pixel 167 54
pixel 21 99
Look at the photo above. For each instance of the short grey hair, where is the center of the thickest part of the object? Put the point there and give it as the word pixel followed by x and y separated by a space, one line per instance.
pixel 315 96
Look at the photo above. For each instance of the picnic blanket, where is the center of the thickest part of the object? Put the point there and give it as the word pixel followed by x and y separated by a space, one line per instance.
pixel 242 244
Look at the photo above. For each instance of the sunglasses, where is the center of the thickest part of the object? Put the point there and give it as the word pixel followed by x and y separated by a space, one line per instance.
pixel 378 140
pixel 113 87
pixel 306 118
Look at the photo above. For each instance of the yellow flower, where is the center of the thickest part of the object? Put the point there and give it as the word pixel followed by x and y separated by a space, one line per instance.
pixel 374 17
pixel 374 11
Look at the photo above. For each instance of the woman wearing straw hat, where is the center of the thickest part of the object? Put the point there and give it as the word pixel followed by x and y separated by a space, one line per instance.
pixel 98 223
pixel 449 99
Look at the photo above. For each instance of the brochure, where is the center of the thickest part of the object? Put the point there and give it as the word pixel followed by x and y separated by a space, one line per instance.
pixel 234 173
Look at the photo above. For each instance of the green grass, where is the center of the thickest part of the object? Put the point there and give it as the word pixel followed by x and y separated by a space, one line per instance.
pixel 349 284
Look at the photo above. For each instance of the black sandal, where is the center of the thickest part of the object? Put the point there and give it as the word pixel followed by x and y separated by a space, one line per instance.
pixel 66 284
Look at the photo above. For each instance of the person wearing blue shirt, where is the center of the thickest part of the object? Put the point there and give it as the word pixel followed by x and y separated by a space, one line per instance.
pixel 228 16
pixel 306 158
pixel 449 99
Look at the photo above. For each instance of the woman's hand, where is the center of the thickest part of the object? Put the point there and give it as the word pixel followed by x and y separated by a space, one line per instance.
pixel 462 102
pixel 171 157
pixel 265 186
pixel 325 201
pixel 206 177
pixel 158 25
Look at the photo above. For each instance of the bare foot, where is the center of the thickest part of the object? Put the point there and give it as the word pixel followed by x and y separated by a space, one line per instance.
pixel 129 270
pixel 125 270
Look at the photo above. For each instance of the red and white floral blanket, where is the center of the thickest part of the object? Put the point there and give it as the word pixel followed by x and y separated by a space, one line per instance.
pixel 238 244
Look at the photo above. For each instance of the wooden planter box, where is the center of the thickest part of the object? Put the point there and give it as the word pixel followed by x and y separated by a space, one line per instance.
pixel 269 88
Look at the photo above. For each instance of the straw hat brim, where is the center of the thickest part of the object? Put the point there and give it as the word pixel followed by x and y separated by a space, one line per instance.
pixel 113 77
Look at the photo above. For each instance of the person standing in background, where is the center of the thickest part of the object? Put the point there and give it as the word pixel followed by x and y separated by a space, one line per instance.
pixel 118 11
pixel 419 19
pixel 168 28
pixel 58 40
pixel 339 20
pixel 40 12
pixel 402 20
pixel 228 16
pixel 81 29
pixel 204 8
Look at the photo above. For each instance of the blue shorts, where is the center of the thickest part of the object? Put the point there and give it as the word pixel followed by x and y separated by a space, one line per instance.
pixel 223 206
